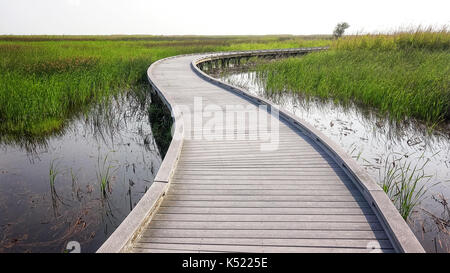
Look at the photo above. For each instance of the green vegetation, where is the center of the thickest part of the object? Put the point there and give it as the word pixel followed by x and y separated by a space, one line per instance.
pixel 46 80
pixel 52 173
pixel 105 172
pixel 403 74
pixel 404 182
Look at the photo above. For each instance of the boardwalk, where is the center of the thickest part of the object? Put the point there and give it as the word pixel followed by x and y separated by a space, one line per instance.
pixel 228 190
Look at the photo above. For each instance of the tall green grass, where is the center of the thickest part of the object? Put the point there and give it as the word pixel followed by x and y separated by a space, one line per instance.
pixel 44 80
pixel 105 172
pixel 402 75
pixel 405 182
pixel 420 38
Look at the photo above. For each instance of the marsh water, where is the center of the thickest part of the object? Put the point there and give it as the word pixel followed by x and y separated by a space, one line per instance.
pixel 51 188
pixel 376 143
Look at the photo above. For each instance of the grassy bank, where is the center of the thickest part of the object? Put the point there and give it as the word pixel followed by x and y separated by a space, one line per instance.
pixel 47 79
pixel 402 75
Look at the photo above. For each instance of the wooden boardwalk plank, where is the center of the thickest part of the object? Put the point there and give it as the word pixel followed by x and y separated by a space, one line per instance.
pixel 266 225
pixel 268 211
pixel 266 204
pixel 276 192
pixel 263 182
pixel 361 218
pixel 327 243
pixel 271 198
pixel 223 186
pixel 268 233
pixel 155 247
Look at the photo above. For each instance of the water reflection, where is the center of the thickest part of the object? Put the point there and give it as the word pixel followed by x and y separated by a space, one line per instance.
pixel 79 183
pixel 372 139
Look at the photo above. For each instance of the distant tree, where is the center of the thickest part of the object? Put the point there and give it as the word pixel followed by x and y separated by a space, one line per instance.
pixel 340 29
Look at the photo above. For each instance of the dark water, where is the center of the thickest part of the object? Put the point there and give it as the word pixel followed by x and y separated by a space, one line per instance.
pixel 372 141
pixel 113 140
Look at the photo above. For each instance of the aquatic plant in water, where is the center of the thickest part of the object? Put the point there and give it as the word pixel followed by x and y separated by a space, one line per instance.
pixel 105 172
pixel 404 181
pixel 52 173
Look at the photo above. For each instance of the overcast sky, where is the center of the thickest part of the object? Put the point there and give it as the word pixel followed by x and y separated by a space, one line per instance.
pixel 170 17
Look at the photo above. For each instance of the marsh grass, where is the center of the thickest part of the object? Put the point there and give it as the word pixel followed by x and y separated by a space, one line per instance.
pixel 105 172
pixel 56 199
pixel 402 75
pixel 52 173
pixel 420 38
pixel 405 182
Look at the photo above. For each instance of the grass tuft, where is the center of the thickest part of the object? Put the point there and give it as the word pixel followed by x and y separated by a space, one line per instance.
pixel 105 173
pixel 404 181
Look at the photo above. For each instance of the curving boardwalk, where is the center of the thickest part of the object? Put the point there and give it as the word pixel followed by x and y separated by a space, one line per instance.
pixel 228 189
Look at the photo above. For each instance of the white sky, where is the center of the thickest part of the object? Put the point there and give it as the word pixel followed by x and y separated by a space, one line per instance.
pixel 208 17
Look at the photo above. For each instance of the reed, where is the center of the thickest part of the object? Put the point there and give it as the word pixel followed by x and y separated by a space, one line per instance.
pixel 405 182
pixel 52 173
pixel 402 75
pixel 419 38
pixel 105 172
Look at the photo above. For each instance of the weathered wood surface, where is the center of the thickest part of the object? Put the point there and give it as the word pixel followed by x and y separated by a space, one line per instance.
pixel 229 195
